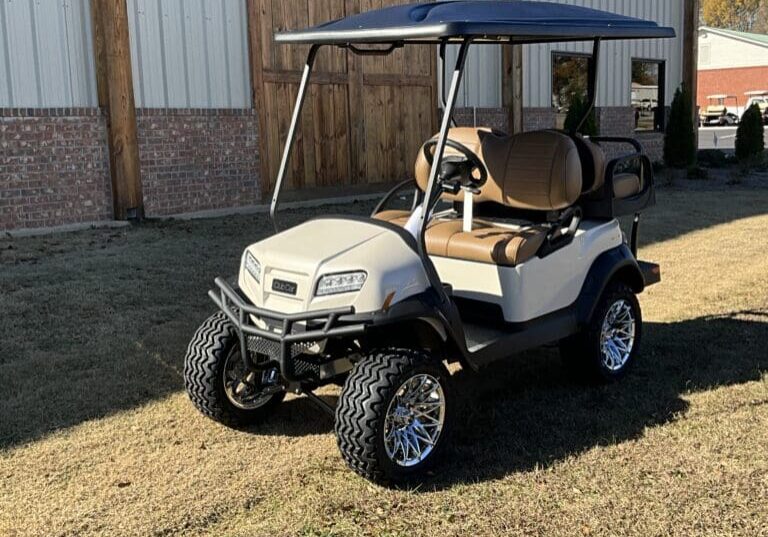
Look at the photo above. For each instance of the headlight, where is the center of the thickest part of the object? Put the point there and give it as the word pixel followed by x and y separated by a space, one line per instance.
pixel 345 282
pixel 253 267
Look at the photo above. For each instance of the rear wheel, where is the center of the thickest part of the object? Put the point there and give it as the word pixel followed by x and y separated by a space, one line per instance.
pixel 394 414
pixel 217 381
pixel 606 349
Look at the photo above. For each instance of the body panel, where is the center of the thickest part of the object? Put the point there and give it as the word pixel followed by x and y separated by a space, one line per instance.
pixel 304 253
pixel 538 286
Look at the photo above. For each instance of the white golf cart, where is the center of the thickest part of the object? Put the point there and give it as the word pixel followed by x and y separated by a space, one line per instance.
pixel 511 242
pixel 760 98
pixel 716 114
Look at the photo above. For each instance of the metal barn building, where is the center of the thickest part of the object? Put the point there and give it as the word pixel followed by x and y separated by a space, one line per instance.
pixel 123 108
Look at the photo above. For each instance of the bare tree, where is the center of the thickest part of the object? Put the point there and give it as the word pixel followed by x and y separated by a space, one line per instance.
pixel 741 15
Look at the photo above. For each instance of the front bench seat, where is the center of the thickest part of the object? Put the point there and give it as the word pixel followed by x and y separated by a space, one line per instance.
pixel 486 243
pixel 535 171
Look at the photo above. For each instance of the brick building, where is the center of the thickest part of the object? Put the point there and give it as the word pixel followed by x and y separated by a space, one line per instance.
pixel 731 63
pixel 118 108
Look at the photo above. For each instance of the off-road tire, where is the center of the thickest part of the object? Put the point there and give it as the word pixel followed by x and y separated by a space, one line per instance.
pixel 363 404
pixel 204 374
pixel 581 352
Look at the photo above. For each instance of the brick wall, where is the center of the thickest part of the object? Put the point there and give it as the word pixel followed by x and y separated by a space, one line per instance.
pixel 54 167
pixel 194 160
pixel 620 121
pixel 536 119
pixel 734 81
pixel 497 118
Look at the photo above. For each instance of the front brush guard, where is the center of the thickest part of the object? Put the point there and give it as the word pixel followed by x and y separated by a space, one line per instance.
pixel 328 322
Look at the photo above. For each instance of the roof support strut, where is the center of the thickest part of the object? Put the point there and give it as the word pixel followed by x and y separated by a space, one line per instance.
pixel 292 133
pixel 450 103
pixel 591 84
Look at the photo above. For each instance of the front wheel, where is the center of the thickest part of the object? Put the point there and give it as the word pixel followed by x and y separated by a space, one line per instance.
pixel 606 349
pixel 217 381
pixel 394 415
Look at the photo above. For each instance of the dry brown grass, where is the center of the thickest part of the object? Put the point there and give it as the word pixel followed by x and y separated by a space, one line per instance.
pixel 96 436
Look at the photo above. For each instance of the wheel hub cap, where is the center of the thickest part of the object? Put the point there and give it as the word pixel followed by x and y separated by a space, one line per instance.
pixel 617 336
pixel 414 420
pixel 246 389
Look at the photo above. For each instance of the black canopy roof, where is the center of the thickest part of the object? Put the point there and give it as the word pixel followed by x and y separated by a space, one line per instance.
pixel 516 21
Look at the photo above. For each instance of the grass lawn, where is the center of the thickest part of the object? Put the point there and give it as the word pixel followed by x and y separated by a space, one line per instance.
pixel 98 437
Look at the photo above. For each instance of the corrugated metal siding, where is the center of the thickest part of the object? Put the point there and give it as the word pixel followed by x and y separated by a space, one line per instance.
pixel 46 54
pixel 614 88
pixel 190 53
pixel 481 86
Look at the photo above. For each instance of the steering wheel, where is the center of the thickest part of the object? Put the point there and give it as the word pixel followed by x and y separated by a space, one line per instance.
pixel 460 167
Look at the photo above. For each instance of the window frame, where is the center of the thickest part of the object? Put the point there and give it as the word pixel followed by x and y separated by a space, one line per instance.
pixel 661 97
pixel 553 55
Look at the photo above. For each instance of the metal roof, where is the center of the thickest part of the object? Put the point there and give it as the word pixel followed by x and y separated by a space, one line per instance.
pixel 517 21
pixel 756 39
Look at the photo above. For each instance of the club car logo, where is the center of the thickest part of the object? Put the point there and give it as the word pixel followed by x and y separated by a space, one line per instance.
pixel 282 286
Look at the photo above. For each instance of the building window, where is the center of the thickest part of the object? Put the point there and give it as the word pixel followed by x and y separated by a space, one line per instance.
pixel 570 73
pixel 648 95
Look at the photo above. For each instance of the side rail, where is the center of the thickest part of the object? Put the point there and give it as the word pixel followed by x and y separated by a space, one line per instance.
pixel 320 324
pixel 606 203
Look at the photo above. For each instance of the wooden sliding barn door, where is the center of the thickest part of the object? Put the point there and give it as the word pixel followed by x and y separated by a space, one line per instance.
pixel 364 117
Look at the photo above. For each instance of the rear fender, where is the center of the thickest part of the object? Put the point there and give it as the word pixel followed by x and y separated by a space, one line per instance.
pixel 617 264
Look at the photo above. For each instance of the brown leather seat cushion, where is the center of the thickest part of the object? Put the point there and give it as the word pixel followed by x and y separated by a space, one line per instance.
pixel 486 243
pixel 536 170
pixel 539 170
pixel 626 185
pixel 394 216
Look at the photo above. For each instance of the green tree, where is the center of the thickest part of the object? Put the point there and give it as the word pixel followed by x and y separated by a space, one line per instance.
pixel 576 111
pixel 741 15
pixel 680 137
pixel 749 136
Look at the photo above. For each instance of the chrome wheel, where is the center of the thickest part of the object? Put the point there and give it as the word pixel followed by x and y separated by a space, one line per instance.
pixel 617 335
pixel 414 420
pixel 248 390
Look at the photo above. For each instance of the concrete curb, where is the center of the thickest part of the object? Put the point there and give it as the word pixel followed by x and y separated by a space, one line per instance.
pixel 264 208
pixel 214 213
pixel 66 228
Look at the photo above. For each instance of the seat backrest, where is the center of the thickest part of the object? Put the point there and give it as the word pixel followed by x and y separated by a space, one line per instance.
pixel 534 170
pixel 593 164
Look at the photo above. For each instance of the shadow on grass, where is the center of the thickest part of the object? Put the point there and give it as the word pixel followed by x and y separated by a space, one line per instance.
pixel 530 414
pixel 527 413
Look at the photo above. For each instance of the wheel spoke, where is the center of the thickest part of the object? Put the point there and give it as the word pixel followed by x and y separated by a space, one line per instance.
pixel 414 420
pixel 617 335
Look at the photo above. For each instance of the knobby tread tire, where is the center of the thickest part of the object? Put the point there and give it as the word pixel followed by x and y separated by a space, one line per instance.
pixel 203 374
pixel 363 403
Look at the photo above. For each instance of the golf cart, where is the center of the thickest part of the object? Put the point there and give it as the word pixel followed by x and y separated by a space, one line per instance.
pixel 760 98
pixel 510 242
pixel 717 113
